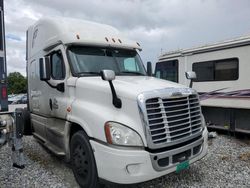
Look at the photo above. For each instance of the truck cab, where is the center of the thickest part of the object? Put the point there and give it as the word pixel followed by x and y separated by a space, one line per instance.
pixel 92 101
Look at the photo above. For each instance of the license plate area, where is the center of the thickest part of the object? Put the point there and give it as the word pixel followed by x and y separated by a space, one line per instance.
pixel 182 166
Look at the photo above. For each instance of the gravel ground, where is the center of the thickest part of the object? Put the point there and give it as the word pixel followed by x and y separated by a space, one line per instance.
pixel 226 165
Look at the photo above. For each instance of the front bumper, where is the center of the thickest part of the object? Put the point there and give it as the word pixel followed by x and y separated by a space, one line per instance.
pixel 128 166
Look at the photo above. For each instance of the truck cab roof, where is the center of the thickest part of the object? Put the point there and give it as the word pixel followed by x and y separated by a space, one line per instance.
pixel 49 32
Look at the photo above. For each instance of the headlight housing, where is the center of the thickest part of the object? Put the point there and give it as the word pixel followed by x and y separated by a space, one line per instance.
pixel 119 134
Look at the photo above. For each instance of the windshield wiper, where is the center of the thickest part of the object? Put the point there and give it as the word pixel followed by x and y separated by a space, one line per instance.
pixel 88 72
pixel 131 72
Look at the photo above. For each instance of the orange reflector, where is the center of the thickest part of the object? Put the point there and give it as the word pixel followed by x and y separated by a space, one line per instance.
pixel 108 133
pixel 68 109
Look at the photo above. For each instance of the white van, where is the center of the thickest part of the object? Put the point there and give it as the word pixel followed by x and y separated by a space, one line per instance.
pixel 90 100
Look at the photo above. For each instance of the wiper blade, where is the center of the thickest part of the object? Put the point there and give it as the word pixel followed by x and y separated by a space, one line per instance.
pixel 89 72
pixel 131 72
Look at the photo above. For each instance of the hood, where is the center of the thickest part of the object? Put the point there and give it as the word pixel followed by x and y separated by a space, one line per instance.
pixel 134 85
pixel 126 86
pixel 93 100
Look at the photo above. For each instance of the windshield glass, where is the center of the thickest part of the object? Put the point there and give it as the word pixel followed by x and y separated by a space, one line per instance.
pixel 91 60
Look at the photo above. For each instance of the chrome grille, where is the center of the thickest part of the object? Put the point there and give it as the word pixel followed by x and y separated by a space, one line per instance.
pixel 171 119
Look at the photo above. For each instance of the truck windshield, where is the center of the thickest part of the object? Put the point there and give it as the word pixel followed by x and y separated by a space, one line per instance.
pixel 92 60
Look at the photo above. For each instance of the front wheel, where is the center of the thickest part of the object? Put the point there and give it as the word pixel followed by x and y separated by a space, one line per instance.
pixel 83 161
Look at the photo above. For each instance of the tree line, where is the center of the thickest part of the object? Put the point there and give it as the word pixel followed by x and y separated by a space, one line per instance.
pixel 17 83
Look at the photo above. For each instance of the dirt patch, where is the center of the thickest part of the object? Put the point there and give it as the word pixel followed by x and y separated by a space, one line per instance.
pixel 225 157
pixel 245 156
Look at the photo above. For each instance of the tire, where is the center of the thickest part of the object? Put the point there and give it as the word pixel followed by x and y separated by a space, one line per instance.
pixel 83 161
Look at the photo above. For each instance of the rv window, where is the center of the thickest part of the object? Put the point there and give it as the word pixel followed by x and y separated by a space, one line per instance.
pixel 217 70
pixel 167 70
pixel 57 66
pixel 204 71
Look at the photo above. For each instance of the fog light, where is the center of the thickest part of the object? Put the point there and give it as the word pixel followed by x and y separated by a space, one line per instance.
pixel 133 169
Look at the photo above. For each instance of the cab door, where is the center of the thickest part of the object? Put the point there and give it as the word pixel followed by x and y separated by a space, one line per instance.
pixel 58 97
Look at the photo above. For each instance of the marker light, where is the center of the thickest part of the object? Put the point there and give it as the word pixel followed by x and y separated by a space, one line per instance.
pixel 4 92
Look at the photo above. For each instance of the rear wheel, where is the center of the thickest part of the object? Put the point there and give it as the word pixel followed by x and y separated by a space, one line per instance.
pixel 83 161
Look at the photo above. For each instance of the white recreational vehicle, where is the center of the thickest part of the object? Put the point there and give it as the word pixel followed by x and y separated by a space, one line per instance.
pixel 92 101
pixel 223 77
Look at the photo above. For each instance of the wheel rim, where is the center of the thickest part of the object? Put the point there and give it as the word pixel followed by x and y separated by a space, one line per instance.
pixel 80 162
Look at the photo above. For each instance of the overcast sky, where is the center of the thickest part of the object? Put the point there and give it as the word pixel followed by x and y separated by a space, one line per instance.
pixel 158 25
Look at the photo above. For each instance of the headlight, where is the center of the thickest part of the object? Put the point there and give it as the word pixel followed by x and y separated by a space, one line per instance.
pixel 119 134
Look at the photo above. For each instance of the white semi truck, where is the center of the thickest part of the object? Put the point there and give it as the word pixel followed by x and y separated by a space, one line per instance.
pixel 92 101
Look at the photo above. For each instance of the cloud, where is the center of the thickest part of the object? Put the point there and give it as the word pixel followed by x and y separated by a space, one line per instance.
pixel 10 36
pixel 158 26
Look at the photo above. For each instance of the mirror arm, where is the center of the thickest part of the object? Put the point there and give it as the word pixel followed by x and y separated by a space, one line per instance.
pixel 191 83
pixel 116 101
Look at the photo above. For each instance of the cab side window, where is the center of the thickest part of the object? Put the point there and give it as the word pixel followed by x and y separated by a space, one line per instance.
pixel 57 66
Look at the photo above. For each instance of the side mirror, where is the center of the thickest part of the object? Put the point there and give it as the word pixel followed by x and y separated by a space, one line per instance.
pixel 44 66
pixel 108 75
pixel 149 68
pixel 190 75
